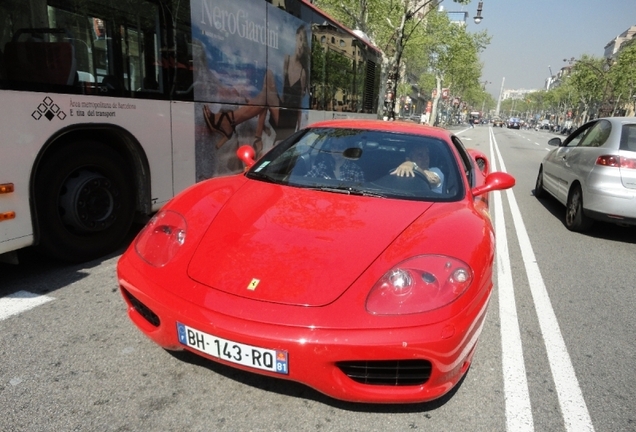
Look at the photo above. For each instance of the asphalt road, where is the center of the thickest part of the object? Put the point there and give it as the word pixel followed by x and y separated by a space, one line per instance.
pixel 556 353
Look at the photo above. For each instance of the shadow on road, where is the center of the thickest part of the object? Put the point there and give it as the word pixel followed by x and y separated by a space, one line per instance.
pixel 600 230
pixel 42 275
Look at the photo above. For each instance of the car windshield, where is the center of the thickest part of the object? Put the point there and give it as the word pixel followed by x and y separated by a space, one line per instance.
pixel 360 162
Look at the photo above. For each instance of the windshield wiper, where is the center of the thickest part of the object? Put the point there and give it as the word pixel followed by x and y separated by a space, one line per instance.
pixel 262 176
pixel 348 190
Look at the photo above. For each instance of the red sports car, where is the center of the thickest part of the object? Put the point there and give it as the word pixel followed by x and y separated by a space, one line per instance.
pixel 354 257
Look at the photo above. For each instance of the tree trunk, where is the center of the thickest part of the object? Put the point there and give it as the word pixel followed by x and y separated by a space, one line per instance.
pixel 433 118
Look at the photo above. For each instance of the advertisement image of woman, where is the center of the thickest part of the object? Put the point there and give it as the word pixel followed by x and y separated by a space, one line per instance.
pixel 284 110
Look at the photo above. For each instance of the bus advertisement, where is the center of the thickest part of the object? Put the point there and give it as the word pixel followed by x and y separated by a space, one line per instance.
pixel 110 108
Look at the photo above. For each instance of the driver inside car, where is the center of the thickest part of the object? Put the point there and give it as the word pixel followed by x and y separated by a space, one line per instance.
pixel 417 161
pixel 333 164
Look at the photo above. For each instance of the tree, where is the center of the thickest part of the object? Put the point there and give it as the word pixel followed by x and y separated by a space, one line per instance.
pixel 622 74
pixel 452 55
pixel 589 79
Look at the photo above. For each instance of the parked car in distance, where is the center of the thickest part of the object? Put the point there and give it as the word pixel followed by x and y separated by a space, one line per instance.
pixel 322 265
pixel 593 173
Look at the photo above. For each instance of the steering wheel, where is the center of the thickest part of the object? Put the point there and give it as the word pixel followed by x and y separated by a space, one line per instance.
pixel 420 176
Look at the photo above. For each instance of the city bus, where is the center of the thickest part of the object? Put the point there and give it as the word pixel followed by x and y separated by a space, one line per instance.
pixel 111 107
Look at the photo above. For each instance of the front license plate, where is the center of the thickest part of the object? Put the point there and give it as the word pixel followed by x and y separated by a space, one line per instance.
pixel 234 352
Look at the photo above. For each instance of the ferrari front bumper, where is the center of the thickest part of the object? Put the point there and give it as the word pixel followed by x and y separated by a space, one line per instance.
pixel 340 363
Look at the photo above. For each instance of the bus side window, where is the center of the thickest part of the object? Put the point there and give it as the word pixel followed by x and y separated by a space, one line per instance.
pixel 111 83
pixel 39 61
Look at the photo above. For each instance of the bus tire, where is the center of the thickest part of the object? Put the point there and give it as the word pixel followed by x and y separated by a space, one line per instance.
pixel 85 201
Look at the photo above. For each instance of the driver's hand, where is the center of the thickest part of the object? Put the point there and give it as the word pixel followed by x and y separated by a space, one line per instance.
pixel 432 177
pixel 404 170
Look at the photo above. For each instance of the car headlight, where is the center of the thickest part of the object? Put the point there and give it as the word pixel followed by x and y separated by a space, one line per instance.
pixel 161 238
pixel 419 284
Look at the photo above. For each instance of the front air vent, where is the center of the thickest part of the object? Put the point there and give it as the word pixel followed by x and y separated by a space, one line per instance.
pixel 142 309
pixel 387 372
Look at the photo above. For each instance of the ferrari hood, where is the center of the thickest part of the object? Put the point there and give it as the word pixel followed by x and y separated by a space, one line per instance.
pixel 296 246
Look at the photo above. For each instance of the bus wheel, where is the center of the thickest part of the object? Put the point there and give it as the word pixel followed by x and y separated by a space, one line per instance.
pixel 84 201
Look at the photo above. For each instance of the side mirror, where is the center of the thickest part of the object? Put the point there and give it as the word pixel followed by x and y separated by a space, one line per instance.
pixel 495 181
pixel 556 142
pixel 246 154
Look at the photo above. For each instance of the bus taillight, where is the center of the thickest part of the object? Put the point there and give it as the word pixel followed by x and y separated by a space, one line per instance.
pixel 7 216
pixel 6 188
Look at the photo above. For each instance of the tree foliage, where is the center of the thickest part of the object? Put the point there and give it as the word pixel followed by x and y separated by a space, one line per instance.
pixel 591 87
pixel 599 86
pixel 590 80
pixel 452 55
pixel 623 76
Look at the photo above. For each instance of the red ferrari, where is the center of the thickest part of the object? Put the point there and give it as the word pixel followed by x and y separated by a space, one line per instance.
pixel 354 257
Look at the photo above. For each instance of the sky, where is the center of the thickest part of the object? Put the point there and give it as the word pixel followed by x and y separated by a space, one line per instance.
pixel 530 37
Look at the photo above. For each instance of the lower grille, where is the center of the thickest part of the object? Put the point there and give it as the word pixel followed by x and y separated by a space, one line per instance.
pixel 142 309
pixel 387 372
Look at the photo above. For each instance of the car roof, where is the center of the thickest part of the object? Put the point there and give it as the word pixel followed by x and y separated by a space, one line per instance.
pixel 619 120
pixel 385 126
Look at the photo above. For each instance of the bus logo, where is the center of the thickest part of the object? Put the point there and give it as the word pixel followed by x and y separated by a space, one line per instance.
pixel 48 109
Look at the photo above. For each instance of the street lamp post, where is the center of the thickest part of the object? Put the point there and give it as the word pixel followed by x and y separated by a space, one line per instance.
pixel 478 17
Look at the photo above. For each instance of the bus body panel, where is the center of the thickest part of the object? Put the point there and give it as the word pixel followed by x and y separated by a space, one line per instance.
pixel 45 115
pixel 316 116
pixel 183 163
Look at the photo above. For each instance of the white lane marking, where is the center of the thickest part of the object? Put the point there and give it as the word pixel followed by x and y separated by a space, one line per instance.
pixel 517 396
pixel 573 407
pixel 19 302
pixel 575 413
